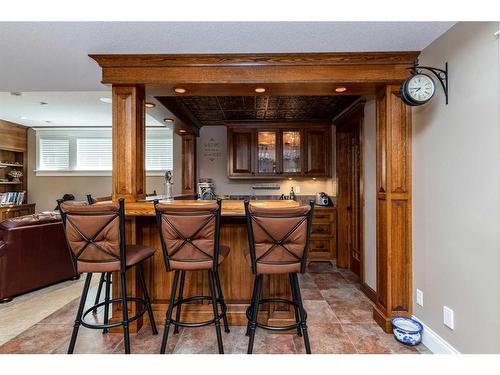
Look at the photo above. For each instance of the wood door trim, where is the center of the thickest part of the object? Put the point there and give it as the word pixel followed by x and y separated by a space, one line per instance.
pixel 355 113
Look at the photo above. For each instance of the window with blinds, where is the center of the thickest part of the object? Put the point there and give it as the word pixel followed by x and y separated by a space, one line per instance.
pixel 90 150
pixel 54 154
pixel 94 154
pixel 159 154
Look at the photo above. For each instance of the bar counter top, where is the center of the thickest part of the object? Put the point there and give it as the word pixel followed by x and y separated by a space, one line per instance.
pixel 230 208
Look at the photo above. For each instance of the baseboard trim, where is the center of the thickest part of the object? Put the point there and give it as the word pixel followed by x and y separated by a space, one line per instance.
pixel 434 342
pixel 369 292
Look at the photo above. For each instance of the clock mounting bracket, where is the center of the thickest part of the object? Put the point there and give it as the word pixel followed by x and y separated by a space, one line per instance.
pixel 440 74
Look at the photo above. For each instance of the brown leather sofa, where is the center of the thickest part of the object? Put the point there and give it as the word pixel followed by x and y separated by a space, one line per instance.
pixel 33 254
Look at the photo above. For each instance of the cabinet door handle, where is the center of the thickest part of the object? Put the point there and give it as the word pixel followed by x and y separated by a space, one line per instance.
pixel 320 217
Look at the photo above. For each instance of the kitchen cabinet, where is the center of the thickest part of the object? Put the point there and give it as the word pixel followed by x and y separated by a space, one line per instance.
pixel 323 245
pixel 279 150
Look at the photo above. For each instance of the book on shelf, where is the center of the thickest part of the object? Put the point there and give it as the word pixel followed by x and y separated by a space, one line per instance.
pixel 12 198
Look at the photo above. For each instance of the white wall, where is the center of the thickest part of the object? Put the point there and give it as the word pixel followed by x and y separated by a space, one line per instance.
pixel 456 191
pixel 213 164
pixel 45 190
pixel 369 190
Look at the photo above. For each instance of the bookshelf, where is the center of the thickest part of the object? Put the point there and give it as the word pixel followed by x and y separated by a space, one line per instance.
pixel 13 171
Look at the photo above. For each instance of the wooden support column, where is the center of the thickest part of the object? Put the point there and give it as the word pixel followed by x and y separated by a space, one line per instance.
pixel 188 164
pixel 128 177
pixel 394 262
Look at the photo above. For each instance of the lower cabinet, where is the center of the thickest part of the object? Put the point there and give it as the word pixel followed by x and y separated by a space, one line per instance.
pixel 9 212
pixel 323 246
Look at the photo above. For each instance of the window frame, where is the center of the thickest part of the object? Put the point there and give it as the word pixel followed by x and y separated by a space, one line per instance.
pixel 72 134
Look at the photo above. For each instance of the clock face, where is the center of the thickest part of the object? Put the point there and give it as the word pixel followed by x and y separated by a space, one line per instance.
pixel 420 88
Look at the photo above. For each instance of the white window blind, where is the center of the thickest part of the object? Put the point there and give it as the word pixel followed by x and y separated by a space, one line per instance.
pixel 88 151
pixel 94 154
pixel 159 154
pixel 54 154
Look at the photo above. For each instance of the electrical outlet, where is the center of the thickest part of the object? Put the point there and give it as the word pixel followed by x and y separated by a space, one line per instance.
pixel 420 297
pixel 448 317
pixel 297 189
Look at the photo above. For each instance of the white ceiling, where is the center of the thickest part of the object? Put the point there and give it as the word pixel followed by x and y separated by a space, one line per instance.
pixel 65 109
pixel 48 61
pixel 52 56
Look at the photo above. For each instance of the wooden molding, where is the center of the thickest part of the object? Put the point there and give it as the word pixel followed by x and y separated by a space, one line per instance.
pixel 264 59
pixel 369 292
pixel 366 67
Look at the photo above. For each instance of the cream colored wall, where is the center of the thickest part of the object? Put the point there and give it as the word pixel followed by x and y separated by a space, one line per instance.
pixel 213 164
pixel 456 191
pixel 45 190
pixel 369 193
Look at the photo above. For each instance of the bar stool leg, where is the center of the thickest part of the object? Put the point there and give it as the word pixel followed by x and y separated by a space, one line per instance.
pixel 301 312
pixel 221 297
pixel 98 295
pixel 179 299
pixel 146 299
pixel 79 313
pixel 169 313
pixel 106 299
pixel 255 312
pixel 126 334
pixel 251 303
pixel 211 279
pixel 295 301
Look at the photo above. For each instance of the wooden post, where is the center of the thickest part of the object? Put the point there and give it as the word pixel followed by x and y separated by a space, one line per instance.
pixel 129 180
pixel 128 176
pixel 394 262
pixel 188 164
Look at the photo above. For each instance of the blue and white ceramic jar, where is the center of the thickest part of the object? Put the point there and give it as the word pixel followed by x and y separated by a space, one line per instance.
pixel 407 331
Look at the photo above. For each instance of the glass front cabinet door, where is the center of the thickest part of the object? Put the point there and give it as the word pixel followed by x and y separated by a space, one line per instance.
pixel 267 152
pixel 291 152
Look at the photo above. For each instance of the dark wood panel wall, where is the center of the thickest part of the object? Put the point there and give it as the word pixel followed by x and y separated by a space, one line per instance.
pixel 188 164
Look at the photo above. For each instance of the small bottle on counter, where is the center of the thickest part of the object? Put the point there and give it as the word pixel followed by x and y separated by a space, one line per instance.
pixel 292 194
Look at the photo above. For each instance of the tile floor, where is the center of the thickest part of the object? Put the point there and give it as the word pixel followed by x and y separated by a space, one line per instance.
pixel 339 321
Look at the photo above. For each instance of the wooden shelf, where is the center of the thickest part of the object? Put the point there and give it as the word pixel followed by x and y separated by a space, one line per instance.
pixel 11 165
pixel 11 183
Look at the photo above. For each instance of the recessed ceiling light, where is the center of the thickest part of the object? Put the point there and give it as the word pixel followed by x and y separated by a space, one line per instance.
pixel 106 100
pixel 149 105
pixel 23 117
pixel 340 89
pixel 180 90
pixel 168 119
pixel 182 130
pixel 260 90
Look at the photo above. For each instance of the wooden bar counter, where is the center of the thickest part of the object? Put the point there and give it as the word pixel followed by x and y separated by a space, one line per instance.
pixel 235 272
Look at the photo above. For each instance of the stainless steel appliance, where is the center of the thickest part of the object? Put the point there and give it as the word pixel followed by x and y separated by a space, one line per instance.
pixel 322 199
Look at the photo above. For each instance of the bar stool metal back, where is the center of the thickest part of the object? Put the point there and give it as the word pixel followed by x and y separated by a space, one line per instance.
pixel 278 243
pixel 189 235
pixel 105 276
pixel 96 237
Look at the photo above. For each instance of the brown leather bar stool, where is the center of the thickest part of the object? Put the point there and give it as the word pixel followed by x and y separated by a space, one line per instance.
pixel 278 241
pixel 96 238
pixel 190 242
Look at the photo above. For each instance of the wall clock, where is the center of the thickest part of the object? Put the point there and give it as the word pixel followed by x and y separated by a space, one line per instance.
pixel 419 88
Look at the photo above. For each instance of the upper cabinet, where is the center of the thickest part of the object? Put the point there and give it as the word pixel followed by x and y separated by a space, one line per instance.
pixel 281 150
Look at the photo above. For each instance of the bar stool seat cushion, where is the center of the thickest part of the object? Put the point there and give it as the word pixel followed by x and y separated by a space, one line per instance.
pixel 135 254
pixel 263 268
pixel 203 265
